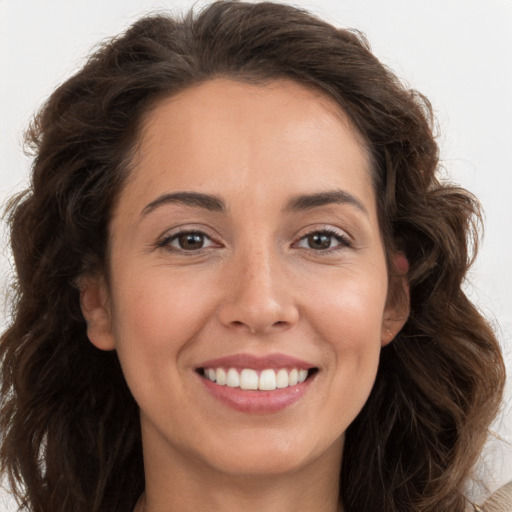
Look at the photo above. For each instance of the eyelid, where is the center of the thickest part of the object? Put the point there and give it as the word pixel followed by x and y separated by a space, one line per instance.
pixel 173 233
pixel 344 239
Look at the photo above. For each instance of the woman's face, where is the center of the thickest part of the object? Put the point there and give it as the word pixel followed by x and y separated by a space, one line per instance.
pixel 246 253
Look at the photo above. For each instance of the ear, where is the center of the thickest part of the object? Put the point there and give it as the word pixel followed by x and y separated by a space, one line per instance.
pixel 94 302
pixel 398 304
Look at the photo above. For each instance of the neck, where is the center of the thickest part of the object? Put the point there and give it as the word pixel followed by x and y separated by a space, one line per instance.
pixel 142 505
pixel 187 485
pixel 230 504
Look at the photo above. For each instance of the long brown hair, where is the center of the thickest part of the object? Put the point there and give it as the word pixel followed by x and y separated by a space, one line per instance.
pixel 70 430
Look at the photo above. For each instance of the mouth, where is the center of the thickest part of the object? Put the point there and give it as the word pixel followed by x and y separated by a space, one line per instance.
pixel 250 379
pixel 257 384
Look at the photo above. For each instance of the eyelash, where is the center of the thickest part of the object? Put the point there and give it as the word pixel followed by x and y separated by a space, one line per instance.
pixel 342 239
pixel 167 240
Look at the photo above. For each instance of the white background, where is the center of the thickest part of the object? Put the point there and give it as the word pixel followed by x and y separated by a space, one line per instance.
pixel 457 52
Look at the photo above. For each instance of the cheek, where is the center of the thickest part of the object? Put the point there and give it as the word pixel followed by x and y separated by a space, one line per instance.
pixel 155 303
pixel 154 320
pixel 348 307
pixel 348 318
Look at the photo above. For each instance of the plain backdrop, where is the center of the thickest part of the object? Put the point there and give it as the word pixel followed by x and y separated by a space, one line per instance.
pixel 457 52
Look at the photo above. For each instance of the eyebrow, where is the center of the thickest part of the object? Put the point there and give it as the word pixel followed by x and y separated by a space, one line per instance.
pixel 297 203
pixel 309 201
pixel 196 199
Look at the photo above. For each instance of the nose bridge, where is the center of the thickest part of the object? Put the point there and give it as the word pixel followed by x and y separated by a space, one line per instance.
pixel 260 299
pixel 257 276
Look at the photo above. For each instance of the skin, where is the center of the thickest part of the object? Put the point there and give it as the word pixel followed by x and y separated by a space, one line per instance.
pixel 257 286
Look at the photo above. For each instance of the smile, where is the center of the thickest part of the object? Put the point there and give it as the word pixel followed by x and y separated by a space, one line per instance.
pixel 249 379
pixel 257 384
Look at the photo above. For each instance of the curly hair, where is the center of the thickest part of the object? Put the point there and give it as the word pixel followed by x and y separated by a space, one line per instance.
pixel 71 438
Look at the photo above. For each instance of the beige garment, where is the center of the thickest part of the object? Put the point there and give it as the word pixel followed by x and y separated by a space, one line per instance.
pixel 500 501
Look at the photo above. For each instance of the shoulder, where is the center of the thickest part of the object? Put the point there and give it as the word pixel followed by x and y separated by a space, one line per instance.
pixel 499 501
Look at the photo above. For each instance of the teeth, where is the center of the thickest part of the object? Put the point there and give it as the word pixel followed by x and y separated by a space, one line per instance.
pixel 219 377
pixel 233 379
pixel 267 380
pixel 282 379
pixel 248 379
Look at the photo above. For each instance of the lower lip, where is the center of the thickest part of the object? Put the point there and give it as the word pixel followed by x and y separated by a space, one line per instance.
pixel 257 402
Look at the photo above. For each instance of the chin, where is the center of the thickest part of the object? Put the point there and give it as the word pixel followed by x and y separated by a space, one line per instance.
pixel 268 455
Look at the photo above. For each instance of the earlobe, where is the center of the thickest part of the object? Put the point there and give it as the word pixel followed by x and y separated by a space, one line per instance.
pixel 95 308
pixel 391 327
pixel 394 320
pixel 398 305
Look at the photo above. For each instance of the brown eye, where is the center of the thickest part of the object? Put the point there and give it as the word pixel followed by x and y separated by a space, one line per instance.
pixel 324 240
pixel 319 241
pixel 187 241
pixel 190 241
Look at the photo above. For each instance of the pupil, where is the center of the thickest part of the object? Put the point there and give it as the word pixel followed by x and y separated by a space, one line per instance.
pixel 319 241
pixel 191 241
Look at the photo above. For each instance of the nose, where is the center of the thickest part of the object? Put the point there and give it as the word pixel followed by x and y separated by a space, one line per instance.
pixel 259 296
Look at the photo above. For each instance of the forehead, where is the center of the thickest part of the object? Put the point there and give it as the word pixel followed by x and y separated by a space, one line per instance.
pixel 228 136
pixel 280 103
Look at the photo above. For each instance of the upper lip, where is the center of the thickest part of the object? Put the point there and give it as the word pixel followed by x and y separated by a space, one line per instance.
pixel 257 362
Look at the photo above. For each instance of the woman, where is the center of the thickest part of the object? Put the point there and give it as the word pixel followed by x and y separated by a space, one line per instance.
pixel 239 282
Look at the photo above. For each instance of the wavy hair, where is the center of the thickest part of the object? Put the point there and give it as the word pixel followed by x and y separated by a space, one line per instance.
pixel 70 438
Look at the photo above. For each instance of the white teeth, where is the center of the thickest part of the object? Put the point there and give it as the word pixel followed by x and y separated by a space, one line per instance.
pixel 282 379
pixel 233 379
pixel 220 376
pixel 248 379
pixel 267 380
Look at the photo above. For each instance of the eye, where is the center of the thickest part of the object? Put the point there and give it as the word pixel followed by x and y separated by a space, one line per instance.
pixel 323 240
pixel 187 241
